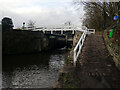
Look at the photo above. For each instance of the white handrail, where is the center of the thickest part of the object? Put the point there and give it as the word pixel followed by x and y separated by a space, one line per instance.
pixel 80 44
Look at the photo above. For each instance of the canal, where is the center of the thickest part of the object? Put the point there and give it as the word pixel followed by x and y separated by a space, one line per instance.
pixel 38 70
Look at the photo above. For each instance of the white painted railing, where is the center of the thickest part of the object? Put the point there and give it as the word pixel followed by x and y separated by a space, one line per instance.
pixel 52 29
pixel 78 47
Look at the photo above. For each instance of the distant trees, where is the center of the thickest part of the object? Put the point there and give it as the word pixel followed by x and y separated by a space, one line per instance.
pixel 99 15
pixel 7 23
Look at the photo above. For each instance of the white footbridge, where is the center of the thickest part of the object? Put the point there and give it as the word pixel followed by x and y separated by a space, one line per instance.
pixel 78 47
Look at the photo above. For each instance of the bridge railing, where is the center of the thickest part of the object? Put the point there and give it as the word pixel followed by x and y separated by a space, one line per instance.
pixel 78 47
pixel 52 29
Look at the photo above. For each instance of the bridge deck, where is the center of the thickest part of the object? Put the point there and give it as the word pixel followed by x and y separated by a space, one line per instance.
pixel 96 67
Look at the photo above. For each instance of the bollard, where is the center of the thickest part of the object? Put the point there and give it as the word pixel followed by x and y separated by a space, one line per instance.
pixel 111 33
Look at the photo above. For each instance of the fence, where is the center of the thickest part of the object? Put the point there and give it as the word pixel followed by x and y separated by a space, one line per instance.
pixel 78 47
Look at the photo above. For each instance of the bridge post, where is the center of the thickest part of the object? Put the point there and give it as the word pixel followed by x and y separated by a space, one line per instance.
pixel 43 30
pixel 73 32
pixel 61 31
pixel 34 28
pixel 51 31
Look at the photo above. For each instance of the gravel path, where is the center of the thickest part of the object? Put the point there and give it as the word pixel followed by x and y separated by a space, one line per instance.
pixel 96 68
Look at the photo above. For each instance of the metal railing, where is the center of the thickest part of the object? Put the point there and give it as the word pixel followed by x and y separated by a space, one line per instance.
pixel 78 47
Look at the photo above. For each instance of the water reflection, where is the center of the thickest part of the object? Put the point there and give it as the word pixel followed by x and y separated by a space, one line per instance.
pixel 32 71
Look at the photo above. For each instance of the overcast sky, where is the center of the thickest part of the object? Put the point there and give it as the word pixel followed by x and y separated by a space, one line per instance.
pixel 43 12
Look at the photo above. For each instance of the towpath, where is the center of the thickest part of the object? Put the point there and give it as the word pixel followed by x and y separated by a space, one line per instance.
pixel 95 68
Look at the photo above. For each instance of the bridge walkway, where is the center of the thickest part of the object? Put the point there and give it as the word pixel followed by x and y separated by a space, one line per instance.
pixel 95 67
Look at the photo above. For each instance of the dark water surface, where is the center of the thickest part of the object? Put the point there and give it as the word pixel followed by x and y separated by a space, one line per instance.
pixel 32 70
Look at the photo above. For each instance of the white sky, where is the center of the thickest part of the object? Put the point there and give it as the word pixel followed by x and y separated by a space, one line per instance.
pixel 43 12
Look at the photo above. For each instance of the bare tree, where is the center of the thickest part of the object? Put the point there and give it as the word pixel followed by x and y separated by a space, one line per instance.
pixel 68 23
pixel 31 23
pixel 99 14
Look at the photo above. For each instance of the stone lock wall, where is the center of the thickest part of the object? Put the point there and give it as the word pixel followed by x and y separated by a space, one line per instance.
pixel 113 49
pixel 20 42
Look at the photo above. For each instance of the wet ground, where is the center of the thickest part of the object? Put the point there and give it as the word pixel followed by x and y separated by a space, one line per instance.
pixel 95 68
pixel 32 70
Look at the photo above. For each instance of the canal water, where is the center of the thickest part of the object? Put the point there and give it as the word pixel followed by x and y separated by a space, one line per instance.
pixel 38 70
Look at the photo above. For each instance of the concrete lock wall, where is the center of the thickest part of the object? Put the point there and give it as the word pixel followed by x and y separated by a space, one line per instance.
pixel 113 49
